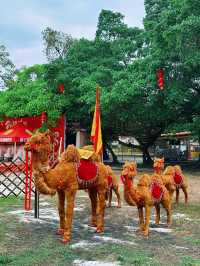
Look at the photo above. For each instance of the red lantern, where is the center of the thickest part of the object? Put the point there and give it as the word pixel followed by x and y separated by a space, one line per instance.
pixel 61 88
pixel 43 117
pixel 160 78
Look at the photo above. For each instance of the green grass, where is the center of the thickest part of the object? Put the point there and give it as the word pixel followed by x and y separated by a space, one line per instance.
pixel 190 209
pixel 4 259
pixel 126 255
pixel 189 261
pixel 10 201
pixel 47 253
pixel 193 241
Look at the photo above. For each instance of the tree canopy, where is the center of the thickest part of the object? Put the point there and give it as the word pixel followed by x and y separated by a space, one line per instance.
pixel 7 68
pixel 123 61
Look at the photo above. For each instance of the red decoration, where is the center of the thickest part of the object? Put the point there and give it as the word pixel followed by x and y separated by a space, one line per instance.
pixel 178 179
pixel 160 78
pixel 87 173
pixel 126 180
pixel 156 192
pixel 43 117
pixel 61 88
pixel 109 178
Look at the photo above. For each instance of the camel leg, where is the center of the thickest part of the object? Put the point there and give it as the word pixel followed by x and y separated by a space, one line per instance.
pixel 70 196
pixel 100 211
pixel 184 188
pixel 157 206
pixel 167 205
pixel 61 210
pixel 177 195
pixel 93 198
pixel 116 189
pixel 147 220
pixel 110 197
pixel 141 218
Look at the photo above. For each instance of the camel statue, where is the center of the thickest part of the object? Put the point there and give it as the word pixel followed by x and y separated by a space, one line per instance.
pixel 113 185
pixel 158 165
pixel 111 178
pixel 167 176
pixel 181 181
pixel 172 178
pixel 149 192
pixel 168 180
pixel 63 179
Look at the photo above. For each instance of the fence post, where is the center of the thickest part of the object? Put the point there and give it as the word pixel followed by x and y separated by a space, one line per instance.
pixel 28 183
pixel 36 207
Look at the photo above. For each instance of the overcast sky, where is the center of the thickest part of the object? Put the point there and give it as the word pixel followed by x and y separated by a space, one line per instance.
pixel 22 21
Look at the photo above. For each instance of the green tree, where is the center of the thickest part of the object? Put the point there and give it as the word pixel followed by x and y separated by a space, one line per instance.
pixel 56 43
pixel 28 95
pixel 7 68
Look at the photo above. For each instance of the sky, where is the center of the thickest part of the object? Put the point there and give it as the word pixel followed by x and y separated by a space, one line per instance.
pixel 22 21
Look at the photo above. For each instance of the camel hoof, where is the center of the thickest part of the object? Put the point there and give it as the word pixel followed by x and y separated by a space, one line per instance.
pixel 60 232
pixel 100 230
pixel 53 192
pixel 65 241
pixel 119 206
pixel 93 224
pixel 144 233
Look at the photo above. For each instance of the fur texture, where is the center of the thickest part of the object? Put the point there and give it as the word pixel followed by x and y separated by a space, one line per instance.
pixel 113 187
pixel 184 185
pixel 142 198
pixel 63 180
pixel 168 178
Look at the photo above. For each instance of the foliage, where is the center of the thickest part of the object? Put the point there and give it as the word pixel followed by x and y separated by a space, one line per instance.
pixel 7 68
pixel 123 61
pixel 56 43
pixel 173 31
pixel 28 96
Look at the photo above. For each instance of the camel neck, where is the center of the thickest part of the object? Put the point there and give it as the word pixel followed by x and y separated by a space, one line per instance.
pixel 157 171
pixel 40 160
pixel 132 190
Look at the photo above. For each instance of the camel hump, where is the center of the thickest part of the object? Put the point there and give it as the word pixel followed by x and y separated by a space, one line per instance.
pixel 145 180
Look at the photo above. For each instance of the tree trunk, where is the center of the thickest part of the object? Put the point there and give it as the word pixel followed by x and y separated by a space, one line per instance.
pixel 146 156
pixel 114 156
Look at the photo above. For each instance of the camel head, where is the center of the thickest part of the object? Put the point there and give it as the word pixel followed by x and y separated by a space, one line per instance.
pixel 169 170
pixel 129 170
pixel 109 170
pixel 158 164
pixel 39 142
pixel 71 154
pixel 178 169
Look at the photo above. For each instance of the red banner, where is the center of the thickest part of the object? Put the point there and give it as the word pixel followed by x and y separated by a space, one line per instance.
pixel 35 122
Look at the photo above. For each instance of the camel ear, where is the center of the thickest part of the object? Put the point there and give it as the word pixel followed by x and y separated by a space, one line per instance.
pixel 49 133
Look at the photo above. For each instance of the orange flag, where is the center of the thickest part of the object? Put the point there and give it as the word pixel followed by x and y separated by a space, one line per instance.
pixel 96 136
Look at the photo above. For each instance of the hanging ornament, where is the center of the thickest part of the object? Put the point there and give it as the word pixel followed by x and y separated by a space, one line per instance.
pixel 160 78
pixel 43 117
pixel 61 88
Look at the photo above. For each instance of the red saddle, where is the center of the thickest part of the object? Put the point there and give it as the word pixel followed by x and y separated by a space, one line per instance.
pixel 87 173
pixel 178 180
pixel 109 178
pixel 156 192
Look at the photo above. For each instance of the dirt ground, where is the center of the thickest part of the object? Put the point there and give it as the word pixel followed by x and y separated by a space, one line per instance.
pixel 28 241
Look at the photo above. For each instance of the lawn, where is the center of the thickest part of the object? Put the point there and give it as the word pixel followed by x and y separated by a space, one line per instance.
pixel 28 241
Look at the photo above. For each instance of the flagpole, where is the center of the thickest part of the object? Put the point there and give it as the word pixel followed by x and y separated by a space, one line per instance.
pixel 96 135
